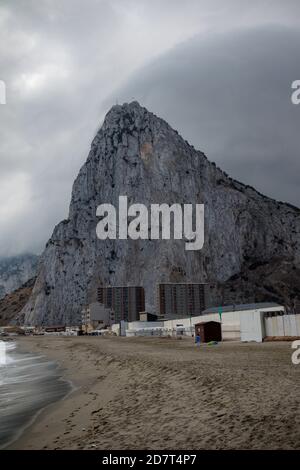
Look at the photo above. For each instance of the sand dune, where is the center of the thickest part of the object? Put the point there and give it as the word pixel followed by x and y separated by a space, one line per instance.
pixel 150 393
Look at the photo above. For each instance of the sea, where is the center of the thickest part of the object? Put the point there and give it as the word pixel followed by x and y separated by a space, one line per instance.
pixel 28 383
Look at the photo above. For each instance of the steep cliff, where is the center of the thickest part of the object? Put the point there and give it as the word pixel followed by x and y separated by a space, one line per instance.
pixel 15 271
pixel 12 304
pixel 139 155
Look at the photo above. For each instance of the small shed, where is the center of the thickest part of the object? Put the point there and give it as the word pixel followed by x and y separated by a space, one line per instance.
pixel 208 331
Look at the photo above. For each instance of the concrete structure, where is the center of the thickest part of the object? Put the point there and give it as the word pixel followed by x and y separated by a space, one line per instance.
pixel 126 302
pixel 178 327
pixel 138 328
pixel 250 318
pixel 145 328
pixel 264 306
pixel 252 325
pixel 247 322
pixel 95 316
pixel 115 328
pixel 230 325
pixel 54 329
pixel 272 323
pixel 146 316
pixel 177 300
pixel 282 325
pixel 73 331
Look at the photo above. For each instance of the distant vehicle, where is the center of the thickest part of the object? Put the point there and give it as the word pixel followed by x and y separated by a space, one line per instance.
pixel 98 333
pixel 95 333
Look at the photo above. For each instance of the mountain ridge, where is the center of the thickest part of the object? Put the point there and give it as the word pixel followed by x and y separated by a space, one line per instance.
pixel 11 305
pixel 15 271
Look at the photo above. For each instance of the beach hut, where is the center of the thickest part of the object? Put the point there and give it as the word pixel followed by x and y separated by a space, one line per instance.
pixel 208 331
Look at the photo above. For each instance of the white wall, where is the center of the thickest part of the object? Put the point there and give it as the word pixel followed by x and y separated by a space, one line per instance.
pixel 115 328
pixel 252 326
pixel 120 328
pixel 230 324
pixel 248 325
pixel 137 325
pixel 282 325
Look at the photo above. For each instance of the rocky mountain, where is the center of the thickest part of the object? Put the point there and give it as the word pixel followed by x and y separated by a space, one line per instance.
pixel 12 304
pixel 15 271
pixel 251 250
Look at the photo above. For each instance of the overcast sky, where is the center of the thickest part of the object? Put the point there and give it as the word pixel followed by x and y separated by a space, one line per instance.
pixel 218 71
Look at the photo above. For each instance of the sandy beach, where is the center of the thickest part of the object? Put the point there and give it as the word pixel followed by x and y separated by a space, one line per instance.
pixel 161 393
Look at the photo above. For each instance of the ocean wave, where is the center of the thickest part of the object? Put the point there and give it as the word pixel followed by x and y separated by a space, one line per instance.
pixel 28 383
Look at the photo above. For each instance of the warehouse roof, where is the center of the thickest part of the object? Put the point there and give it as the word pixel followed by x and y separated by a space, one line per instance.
pixel 241 307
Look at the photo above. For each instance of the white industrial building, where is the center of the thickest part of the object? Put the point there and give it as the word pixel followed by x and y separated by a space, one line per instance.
pixel 246 322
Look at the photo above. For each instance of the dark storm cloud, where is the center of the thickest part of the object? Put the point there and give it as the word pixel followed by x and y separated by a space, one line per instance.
pixel 230 96
pixel 61 59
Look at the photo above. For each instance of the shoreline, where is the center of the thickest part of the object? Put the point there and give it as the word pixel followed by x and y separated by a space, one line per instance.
pixel 17 441
pixel 19 434
pixel 45 418
pixel 150 393
pixel 61 378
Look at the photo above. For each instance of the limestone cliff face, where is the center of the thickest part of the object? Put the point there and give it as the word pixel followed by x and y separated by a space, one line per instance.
pixel 15 271
pixel 139 155
pixel 12 303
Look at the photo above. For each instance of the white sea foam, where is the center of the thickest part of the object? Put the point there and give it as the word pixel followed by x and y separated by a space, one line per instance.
pixel 28 383
pixel 5 348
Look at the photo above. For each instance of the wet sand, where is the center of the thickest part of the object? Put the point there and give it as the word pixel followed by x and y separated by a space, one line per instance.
pixel 161 393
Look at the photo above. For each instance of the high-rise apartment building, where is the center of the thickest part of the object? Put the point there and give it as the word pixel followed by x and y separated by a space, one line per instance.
pixel 126 302
pixel 178 300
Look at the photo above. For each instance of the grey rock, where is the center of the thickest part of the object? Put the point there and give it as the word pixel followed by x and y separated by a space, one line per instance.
pixel 139 155
pixel 16 271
